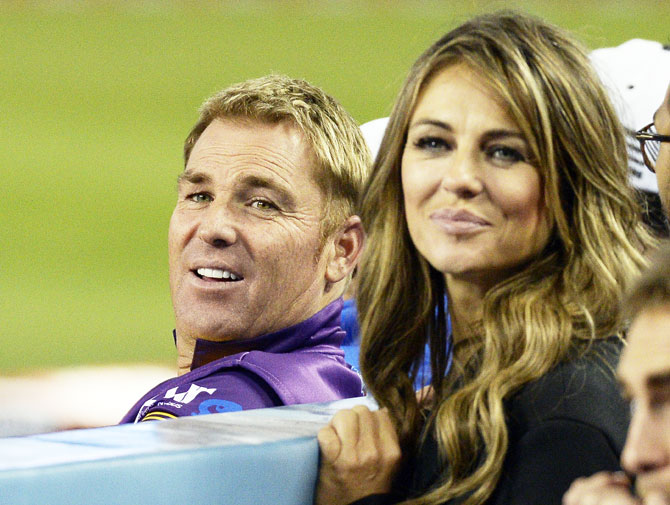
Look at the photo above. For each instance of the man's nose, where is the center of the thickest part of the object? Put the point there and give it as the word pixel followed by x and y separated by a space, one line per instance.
pixel 217 226
pixel 646 446
pixel 461 175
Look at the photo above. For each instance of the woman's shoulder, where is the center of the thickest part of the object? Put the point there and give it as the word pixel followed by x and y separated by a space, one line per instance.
pixel 581 389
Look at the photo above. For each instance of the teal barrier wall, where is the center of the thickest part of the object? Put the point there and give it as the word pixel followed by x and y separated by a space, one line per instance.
pixel 240 458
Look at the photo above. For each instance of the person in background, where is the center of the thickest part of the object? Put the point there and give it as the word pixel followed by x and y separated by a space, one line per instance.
pixel 262 243
pixel 636 74
pixel 655 145
pixel 501 185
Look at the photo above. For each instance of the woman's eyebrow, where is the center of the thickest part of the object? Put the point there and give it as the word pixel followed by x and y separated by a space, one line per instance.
pixel 431 122
pixel 494 134
pixel 502 133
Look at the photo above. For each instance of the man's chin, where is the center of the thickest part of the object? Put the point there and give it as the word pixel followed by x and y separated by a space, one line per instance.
pixel 211 330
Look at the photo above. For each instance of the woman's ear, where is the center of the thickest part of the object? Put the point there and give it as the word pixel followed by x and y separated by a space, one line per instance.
pixel 346 246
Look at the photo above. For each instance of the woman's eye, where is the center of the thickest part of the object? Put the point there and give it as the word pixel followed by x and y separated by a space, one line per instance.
pixel 505 154
pixel 199 197
pixel 431 143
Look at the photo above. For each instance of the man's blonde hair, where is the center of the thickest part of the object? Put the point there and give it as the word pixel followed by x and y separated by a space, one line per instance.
pixel 343 159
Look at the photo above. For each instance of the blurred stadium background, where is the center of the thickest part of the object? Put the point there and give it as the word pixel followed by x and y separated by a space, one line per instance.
pixel 96 99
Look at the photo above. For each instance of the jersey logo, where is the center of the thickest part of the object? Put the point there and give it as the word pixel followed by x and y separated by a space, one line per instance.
pixel 187 396
pixel 158 416
pixel 218 406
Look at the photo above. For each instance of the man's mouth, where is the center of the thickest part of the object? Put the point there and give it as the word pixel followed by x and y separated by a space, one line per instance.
pixel 216 274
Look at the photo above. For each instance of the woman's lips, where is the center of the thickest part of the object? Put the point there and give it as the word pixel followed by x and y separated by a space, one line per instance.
pixel 458 222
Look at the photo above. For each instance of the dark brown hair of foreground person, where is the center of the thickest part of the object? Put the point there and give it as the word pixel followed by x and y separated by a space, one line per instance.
pixel 558 302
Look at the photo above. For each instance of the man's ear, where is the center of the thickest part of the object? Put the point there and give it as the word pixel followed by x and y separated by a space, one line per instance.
pixel 346 246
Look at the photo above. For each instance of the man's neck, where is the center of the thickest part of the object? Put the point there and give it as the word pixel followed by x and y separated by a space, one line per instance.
pixel 186 343
pixel 185 350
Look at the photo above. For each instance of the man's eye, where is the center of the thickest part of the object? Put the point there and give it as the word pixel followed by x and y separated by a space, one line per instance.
pixel 505 154
pixel 263 205
pixel 431 143
pixel 660 401
pixel 199 197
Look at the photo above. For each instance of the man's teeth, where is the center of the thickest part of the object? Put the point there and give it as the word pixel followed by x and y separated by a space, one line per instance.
pixel 215 273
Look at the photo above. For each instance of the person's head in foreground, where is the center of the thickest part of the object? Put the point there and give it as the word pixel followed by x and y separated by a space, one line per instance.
pixel 655 144
pixel 502 183
pixel 265 232
pixel 644 375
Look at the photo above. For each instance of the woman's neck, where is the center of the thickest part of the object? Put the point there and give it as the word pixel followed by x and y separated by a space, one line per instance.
pixel 465 299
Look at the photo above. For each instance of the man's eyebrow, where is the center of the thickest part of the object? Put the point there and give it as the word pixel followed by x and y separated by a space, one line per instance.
pixel 194 178
pixel 659 380
pixel 283 193
pixel 257 181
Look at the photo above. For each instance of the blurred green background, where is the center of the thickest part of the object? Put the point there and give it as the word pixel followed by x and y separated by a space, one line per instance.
pixel 96 99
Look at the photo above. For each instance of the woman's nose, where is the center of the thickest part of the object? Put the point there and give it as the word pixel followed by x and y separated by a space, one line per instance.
pixel 461 175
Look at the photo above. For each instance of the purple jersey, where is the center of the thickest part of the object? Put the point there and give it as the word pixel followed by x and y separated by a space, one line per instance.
pixel 300 364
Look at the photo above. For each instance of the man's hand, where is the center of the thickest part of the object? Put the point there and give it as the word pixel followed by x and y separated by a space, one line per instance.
pixel 603 488
pixel 360 455
pixel 607 488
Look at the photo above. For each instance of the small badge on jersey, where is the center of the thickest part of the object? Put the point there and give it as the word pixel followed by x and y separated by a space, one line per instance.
pixel 216 406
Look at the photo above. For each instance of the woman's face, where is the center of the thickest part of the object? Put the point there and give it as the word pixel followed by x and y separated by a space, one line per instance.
pixel 474 203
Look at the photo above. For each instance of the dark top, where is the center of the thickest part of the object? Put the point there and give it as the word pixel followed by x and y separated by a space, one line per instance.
pixel 570 423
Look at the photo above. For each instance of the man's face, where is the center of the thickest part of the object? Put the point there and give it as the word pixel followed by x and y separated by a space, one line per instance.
pixel 662 122
pixel 644 372
pixel 244 241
